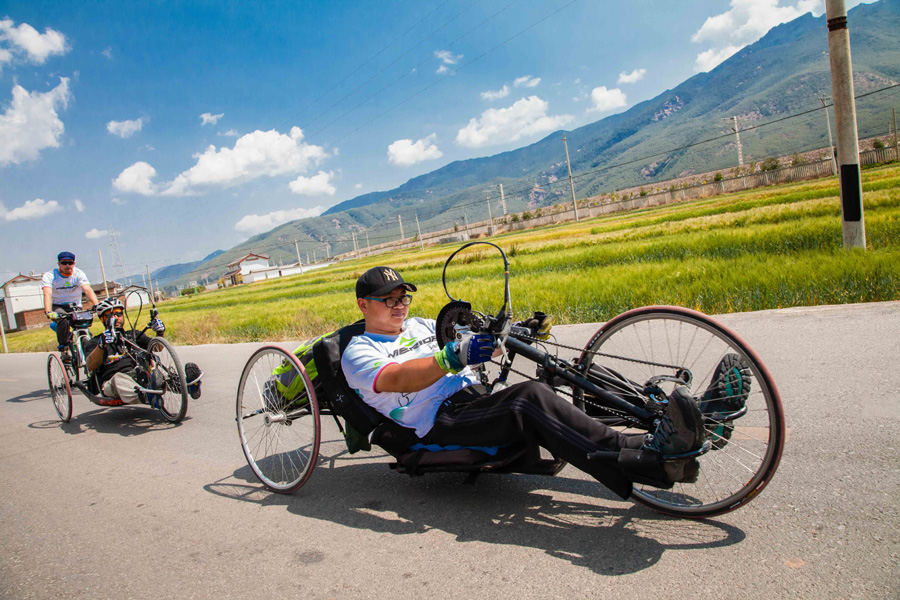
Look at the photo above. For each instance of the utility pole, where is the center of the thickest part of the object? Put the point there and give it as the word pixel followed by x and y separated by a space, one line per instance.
pixel 103 274
pixel 503 200
pixel 327 251
pixel 421 243
pixel 400 220
pixel 571 183
pixel 830 140
pixel 150 284
pixel 466 219
pixel 737 136
pixel 853 224
pixel 299 262
pixel 896 150
pixel 307 257
pixel 368 245
pixel 355 246
pixel 3 333
pixel 117 259
pixel 490 217
pixel 314 256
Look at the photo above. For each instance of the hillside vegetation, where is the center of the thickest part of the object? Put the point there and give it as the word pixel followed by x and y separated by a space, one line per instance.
pixel 761 249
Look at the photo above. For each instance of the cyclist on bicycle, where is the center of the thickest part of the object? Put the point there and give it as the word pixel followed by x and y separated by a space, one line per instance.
pixel 107 359
pixel 397 368
pixel 62 288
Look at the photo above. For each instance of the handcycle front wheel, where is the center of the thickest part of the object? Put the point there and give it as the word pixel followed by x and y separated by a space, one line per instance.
pixel 60 390
pixel 168 372
pixel 746 428
pixel 278 419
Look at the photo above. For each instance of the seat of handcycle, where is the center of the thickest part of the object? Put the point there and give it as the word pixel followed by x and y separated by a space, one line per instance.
pixel 413 458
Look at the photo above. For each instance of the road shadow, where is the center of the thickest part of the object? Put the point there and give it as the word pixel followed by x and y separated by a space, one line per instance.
pixel 575 520
pixel 31 396
pixel 127 421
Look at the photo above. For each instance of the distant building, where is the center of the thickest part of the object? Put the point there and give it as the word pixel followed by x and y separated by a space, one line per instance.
pixel 23 303
pixel 243 266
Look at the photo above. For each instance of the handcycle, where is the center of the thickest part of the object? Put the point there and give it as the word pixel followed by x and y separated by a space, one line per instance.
pixel 623 377
pixel 158 371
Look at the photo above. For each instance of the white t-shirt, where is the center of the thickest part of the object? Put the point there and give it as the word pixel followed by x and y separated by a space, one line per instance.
pixel 66 290
pixel 368 354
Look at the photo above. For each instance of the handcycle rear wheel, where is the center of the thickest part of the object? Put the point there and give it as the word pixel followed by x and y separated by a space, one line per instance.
pixel 166 365
pixel 280 437
pixel 60 390
pixel 746 449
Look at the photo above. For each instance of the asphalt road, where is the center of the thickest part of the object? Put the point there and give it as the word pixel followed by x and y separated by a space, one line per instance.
pixel 120 504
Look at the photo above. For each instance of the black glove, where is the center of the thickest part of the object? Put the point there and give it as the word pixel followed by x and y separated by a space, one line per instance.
pixel 157 325
pixel 108 337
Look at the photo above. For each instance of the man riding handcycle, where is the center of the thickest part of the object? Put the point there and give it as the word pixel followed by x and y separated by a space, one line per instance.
pixel 694 432
pixel 124 367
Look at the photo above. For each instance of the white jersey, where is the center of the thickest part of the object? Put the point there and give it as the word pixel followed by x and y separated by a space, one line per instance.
pixel 66 290
pixel 368 354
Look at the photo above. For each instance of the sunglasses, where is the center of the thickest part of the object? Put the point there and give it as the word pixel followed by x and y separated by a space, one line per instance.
pixel 116 313
pixel 392 302
pixel 67 262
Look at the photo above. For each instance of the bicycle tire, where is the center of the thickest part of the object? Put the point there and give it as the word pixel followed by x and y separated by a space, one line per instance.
pixel 60 390
pixel 174 402
pixel 280 438
pixel 746 456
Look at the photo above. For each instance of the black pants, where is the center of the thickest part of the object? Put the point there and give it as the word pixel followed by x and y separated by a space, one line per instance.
pixel 62 325
pixel 531 412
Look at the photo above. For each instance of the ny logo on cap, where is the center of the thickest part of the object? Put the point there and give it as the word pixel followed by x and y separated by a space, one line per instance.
pixel 390 275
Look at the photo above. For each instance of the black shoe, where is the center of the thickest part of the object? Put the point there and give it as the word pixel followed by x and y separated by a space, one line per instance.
pixel 726 394
pixel 679 431
pixel 192 374
pixel 66 356
pixel 730 386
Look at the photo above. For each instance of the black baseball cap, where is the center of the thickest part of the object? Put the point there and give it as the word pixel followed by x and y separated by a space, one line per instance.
pixel 64 256
pixel 380 281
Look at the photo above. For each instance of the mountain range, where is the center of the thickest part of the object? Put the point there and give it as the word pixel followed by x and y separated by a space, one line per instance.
pixel 785 73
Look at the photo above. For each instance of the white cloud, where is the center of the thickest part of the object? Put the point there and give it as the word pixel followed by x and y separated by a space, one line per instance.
pixel 107 52
pixel 358 186
pixel 253 224
pixel 118 201
pixel 95 234
pixel 407 152
pixel 501 93
pixel 25 40
pixel 442 69
pixel 206 118
pixel 125 129
pixel 447 57
pixel 745 23
pixel 31 123
pixel 316 185
pixel 603 100
pixel 136 179
pixel 230 133
pixel 632 77
pixel 526 117
pixel 255 155
pixel 32 209
pixel 527 81
pixel 79 205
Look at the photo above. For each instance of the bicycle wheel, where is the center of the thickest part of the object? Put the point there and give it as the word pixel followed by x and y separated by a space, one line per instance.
pixel 167 373
pixel 280 436
pixel 60 390
pixel 742 409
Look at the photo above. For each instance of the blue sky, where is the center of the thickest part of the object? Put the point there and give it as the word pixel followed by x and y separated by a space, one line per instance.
pixel 190 126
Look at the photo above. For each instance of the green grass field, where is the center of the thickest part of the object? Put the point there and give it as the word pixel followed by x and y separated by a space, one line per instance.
pixel 760 249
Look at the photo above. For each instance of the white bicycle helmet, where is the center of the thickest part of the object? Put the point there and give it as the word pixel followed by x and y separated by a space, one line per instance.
pixel 107 305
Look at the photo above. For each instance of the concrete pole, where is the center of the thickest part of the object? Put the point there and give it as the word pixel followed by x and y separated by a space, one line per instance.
pixel 421 243
pixel 490 217
pixel 368 245
pixel 150 283
pixel 830 140
pixel 571 184
pixel 400 220
pixel 466 219
pixel 103 274
pixel 299 262
pixel 503 200
pixel 737 136
pixel 853 222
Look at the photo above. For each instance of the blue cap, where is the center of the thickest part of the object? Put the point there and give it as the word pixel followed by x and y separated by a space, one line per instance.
pixel 65 256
